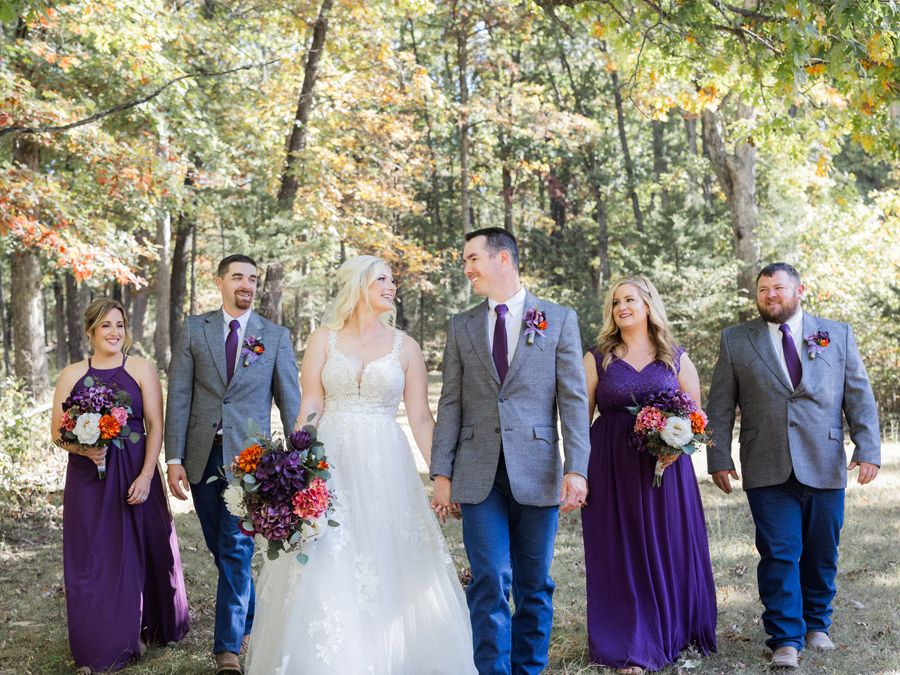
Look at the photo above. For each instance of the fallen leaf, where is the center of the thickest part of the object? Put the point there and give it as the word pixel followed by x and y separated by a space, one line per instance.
pixel 737 637
pixel 857 605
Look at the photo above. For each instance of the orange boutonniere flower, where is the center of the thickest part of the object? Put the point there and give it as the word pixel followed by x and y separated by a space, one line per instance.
pixel 248 459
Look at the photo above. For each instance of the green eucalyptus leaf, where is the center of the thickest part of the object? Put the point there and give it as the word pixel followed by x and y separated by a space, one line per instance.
pixel 134 437
pixel 212 479
pixel 272 553
pixel 333 523
pixel 294 538
pixel 324 475
pixel 70 435
pixel 689 449
pixel 249 478
pixel 124 431
pixel 302 558
pixel 311 417
pixel 89 381
pixel 248 525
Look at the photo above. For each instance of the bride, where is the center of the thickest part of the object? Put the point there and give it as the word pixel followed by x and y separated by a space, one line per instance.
pixel 379 594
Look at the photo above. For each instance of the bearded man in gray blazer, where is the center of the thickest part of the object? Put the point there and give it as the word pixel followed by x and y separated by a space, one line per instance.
pixel 506 375
pixel 214 388
pixel 794 377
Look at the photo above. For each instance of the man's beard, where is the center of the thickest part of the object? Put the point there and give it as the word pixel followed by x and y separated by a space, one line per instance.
pixel 782 316
pixel 242 302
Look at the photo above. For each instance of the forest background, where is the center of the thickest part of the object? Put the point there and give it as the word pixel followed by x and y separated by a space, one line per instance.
pixel 690 141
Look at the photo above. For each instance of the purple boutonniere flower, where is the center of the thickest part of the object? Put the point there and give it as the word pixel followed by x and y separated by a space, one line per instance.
pixel 817 342
pixel 252 349
pixel 535 324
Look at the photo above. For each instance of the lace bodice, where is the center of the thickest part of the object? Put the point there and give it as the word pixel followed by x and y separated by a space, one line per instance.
pixel 380 388
pixel 621 381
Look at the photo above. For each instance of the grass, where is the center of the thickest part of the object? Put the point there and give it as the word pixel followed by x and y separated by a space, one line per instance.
pixel 33 633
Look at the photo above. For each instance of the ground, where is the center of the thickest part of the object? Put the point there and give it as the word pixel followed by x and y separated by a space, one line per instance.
pixel 33 634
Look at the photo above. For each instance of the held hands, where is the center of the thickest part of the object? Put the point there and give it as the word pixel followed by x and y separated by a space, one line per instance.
pixel 177 477
pixel 867 472
pixel 574 492
pixel 441 503
pixel 722 480
pixel 139 489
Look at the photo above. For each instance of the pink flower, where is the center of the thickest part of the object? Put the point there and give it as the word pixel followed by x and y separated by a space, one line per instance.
pixel 649 419
pixel 119 415
pixel 312 502
pixel 67 422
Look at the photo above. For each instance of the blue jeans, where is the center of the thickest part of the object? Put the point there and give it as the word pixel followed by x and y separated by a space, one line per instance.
pixel 510 547
pixel 232 550
pixel 798 530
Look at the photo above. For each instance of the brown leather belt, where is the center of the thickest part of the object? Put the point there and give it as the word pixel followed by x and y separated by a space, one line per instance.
pixel 217 439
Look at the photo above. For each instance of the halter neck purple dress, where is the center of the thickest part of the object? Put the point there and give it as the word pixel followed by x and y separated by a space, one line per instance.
pixel 122 567
pixel 650 589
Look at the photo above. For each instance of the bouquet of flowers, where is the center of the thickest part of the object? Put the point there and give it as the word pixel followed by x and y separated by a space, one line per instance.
pixel 95 416
pixel 668 423
pixel 279 492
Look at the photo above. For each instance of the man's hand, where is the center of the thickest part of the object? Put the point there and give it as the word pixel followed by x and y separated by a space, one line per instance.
pixel 867 472
pixel 574 492
pixel 722 480
pixel 441 504
pixel 176 478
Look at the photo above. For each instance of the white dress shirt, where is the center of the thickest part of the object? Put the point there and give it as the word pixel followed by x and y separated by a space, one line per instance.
pixel 795 323
pixel 514 316
pixel 243 319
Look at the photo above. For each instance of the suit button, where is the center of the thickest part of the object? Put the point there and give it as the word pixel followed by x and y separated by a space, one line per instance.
pixel 793 400
pixel 501 399
pixel 215 426
pixel 497 430
pixel 225 402
pixel 792 424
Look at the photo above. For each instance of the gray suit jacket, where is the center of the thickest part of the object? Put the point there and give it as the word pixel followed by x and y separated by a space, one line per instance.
pixel 784 429
pixel 475 413
pixel 198 396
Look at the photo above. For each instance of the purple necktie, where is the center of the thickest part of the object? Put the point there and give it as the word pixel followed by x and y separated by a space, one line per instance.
pixel 231 343
pixel 790 355
pixel 501 355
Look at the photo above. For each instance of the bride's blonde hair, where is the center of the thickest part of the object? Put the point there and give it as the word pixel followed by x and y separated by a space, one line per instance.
pixel 353 279
pixel 609 339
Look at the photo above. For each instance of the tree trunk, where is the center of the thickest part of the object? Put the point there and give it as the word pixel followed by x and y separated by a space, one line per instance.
pixel 59 316
pixel 289 183
pixel 601 274
pixel 626 156
pixel 28 323
pixel 297 333
pixel 507 197
pixel 77 342
pixel 4 325
pixel 660 166
pixel 193 305
pixel 181 259
pixel 707 179
pixel 462 63
pixel 161 340
pixel 270 299
pixel 737 178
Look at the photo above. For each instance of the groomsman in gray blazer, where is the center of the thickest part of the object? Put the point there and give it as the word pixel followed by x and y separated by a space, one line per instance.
pixel 496 450
pixel 794 377
pixel 213 390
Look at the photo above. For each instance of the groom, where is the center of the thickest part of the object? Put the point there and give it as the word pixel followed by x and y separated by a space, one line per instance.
pixel 794 376
pixel 213 390
pixel 496 450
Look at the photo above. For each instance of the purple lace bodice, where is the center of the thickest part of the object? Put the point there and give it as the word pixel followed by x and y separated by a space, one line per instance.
pixel 621 380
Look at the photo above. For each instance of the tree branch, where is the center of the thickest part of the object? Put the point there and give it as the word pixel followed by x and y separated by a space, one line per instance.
pixel 126 106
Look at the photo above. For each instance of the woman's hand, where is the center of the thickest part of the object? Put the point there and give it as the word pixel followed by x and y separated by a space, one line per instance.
pixel 96 455
pixel 140 488
pixel 667 460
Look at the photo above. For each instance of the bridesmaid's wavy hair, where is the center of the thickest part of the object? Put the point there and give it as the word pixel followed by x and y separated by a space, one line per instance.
pixel 353 279
pixel 96 313
pixel 609 340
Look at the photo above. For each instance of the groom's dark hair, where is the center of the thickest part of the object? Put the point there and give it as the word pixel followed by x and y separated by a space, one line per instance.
pixel 498 240
pixel 774 268
pixel 236 258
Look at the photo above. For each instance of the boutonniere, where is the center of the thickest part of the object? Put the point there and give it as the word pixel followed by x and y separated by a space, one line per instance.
pixel 817 342
pixel 252 349
pixel 535 324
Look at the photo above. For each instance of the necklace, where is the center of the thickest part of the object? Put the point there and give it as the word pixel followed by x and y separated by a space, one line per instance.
pixel 365 343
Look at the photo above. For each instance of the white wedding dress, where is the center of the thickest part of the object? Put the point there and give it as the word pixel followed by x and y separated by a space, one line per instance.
pixel 379 594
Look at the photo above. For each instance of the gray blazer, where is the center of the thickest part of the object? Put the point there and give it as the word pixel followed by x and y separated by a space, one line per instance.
pixel 475 413
pixel 198 397
pixel 784 429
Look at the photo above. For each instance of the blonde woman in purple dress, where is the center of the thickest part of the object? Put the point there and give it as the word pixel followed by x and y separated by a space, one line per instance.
pixel 650 590
pixel 124 583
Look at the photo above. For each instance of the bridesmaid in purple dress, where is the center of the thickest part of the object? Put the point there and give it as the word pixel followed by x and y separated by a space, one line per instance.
pixel 123 577
pixel 650 590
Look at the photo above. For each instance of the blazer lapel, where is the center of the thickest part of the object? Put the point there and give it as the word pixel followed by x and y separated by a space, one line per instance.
pixel 522 349
pixel 254 327
pixel 477 327
pixel 810 366
pixel 215 338
pixel 762 342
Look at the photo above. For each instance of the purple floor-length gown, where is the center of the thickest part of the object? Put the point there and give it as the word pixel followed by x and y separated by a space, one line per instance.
pixel 650 590
pixel 122 567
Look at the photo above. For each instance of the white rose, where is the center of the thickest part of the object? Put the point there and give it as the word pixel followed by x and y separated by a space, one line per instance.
pixel 87 429
pixel 677 432
pixel 315 530
pixel 234 501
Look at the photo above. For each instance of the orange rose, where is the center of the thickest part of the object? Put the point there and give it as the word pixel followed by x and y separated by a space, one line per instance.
pixel 322 465
pixel 698 421
pixel 109 427
pixel 249 458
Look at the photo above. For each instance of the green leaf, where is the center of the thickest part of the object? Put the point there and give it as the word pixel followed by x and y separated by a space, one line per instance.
pixel 7 13
pixel 311 417
pixel 689 449
pixel 333 523
pixel 70 435
pixel 294 538
pixel 324 475
pixel 118 443
pixel 212 479
pixel 253 428
pixel 248 525
pixel 249 478
pixel 302 558
pixel 124 431
pixel 89 381
pixel 134 437
pixel 272 553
